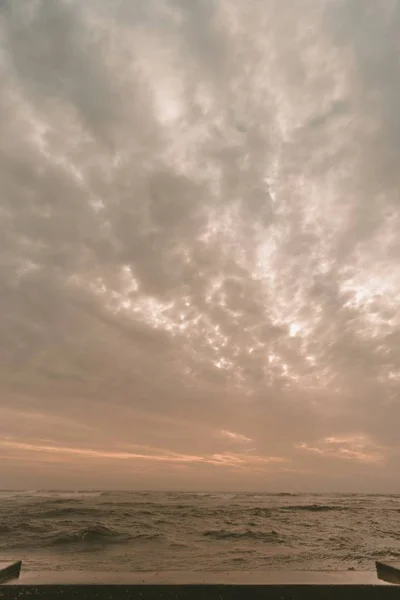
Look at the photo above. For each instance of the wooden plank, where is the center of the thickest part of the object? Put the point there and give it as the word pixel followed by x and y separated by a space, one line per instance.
pixel 9 570
pixel 188 578
pixel 388 571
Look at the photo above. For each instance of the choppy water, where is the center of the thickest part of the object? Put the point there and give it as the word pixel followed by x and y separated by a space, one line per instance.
pixel 173 531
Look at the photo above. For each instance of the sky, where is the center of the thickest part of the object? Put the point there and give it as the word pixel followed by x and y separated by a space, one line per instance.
pixel 199 259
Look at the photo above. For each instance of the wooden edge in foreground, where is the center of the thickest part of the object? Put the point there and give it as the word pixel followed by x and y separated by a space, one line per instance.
pixel 9 571
pixel 200 578
pixel 388 572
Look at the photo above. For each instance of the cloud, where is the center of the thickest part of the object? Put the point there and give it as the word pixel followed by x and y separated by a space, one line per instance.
pixel 236 437
pixel 357 448
pixel 198 234
pixel 46 451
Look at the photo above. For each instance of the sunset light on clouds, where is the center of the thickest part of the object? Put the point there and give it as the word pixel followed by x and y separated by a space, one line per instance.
pixel 199 251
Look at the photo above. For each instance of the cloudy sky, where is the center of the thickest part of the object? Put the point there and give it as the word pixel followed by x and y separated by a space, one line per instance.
pixel 199 251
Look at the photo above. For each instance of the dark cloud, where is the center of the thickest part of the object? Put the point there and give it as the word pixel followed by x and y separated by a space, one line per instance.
pixel 198 244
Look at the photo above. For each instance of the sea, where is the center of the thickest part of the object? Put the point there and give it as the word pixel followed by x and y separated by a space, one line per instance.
pixel 122 531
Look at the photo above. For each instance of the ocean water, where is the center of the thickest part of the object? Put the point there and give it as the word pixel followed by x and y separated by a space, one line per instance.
pixel 188 531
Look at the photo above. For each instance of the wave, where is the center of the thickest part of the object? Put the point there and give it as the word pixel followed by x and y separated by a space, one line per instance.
pixel 50 494
pixel 312 507
pixel 223 534
pixel 72 511
pixel 147 536
pixel 87 535
pixel 96 535
pixel 258 511
pixel 24 527
pixel 116 507
pixel 386 553
pixel 139 503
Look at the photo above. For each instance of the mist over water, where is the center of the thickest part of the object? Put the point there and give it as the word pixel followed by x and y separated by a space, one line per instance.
pixel 113 531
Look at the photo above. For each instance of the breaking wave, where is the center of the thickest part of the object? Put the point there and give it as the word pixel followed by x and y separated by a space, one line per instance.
pixel 87 535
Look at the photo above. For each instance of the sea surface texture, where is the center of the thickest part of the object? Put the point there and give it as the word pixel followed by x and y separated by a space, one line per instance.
pixel 187 531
